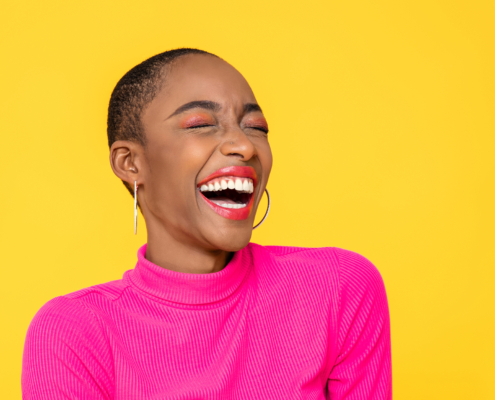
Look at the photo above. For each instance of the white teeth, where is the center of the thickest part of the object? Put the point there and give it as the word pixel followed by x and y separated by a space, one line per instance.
pixel 241 185
pixel 228 205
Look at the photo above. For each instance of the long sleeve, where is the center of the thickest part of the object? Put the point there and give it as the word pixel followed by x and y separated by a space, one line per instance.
pixel 66 355
pixel 362 369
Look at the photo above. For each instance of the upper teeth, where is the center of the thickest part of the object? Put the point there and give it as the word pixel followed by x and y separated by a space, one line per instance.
pixel 243 185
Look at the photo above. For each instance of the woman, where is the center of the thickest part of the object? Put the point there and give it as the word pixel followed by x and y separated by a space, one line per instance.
pixel 205 314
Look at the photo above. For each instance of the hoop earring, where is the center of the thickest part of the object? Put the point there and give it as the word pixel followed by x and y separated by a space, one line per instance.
pixel 135 207
pixel 267 211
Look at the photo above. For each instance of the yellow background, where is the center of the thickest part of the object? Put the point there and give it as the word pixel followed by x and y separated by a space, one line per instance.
pixel 382 118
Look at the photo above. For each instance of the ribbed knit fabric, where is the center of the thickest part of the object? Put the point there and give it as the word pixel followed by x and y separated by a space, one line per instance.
pixel 275 323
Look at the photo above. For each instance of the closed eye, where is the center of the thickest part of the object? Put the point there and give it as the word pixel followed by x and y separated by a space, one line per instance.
pixel 258 128
pixel 197 120
pixel 256 122
pixel 199 126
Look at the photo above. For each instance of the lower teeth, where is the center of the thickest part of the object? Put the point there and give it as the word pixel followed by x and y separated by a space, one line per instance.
pixel 231 205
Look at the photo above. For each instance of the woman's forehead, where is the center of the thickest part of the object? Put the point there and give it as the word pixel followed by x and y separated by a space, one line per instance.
pixel 195 76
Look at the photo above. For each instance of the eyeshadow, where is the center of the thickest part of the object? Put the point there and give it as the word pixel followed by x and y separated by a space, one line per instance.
pixel 256 122
pixel 196 119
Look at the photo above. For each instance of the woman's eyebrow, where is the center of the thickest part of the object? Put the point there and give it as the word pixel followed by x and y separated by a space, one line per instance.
pixel 251 107
pixel 212 106
pixel 206 104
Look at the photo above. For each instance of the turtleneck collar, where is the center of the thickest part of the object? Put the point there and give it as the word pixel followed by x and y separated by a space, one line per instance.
pixel 184 288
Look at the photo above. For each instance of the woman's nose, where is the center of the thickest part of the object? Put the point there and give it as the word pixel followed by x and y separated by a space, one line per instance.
pixel 237 144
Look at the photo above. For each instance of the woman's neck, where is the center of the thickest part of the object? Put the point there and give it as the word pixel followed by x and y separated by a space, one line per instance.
pixel 177 255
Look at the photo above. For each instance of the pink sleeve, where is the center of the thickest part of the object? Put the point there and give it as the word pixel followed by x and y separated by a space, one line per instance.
pixel 66 355
pixel 362 369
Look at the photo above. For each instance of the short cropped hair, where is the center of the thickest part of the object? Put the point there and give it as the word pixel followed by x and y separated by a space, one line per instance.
pixel 134 91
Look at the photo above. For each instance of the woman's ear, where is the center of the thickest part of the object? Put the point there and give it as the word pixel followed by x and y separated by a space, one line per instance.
pixel 126 159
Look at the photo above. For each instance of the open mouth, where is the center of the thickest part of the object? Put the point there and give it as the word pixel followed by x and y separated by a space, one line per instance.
pixel 230 191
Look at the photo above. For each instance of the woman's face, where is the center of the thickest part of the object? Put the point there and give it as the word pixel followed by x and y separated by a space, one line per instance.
pixel 207 159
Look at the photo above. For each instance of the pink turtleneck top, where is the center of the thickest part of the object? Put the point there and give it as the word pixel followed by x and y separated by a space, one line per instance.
pixel 275 323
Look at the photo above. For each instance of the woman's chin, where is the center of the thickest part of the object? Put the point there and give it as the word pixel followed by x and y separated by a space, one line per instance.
pixel 231 240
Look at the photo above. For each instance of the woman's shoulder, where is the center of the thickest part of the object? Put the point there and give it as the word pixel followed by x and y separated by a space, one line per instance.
pixel 348 267
pixel 77 308
pixel 67 341
pixel 292 252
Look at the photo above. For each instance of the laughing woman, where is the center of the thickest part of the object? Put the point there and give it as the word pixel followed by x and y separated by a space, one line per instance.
pixel 205 314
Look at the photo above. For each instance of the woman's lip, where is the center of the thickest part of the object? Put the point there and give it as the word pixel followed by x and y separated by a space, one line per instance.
pixel 230 213
pixel 241 172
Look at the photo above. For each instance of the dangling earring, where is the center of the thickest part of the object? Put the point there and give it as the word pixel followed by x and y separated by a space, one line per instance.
pixel 135 207
pixel 267 210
